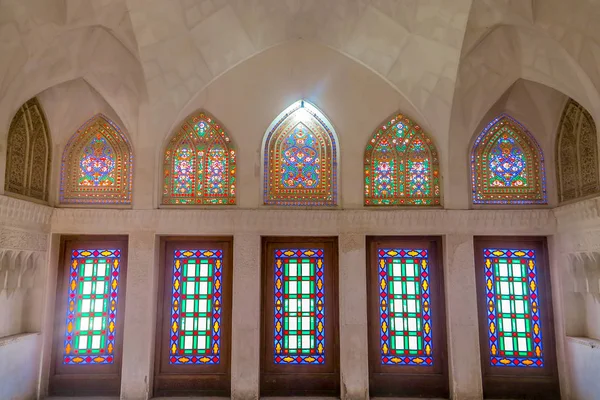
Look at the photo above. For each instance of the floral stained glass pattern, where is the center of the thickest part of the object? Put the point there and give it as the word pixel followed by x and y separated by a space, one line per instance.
pixel 405 326
pixel 401 166
pixel 196 307
pixel 97 165
pixel 513 308
pixel 299 325
pixel 199 164
pixel 90 326
pixel 507 165
pixel 300 159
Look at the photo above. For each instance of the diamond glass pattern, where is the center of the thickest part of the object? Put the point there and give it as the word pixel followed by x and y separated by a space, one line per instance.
pixel 299 325
pixel 513 308
pixel 92 304
pixel 196 307
pixel 405 327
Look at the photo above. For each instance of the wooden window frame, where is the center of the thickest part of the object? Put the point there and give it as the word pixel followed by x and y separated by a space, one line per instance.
pixel 518 382
pixel 300 380
pixel 86 380
pixel 406 380
pixel 195 379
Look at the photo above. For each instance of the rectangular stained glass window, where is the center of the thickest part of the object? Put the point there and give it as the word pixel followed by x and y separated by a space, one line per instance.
pixel 513 309
pixel 92 305
pixel 299 323
pixel 196 307
pixel 405 327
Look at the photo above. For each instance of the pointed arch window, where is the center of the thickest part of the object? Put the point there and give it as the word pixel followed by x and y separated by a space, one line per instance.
pixel 401 166
pixel 199 164
pixel 300 158
pixel 97 165
pixel 507 165
pixel 577 154
pixel 28 153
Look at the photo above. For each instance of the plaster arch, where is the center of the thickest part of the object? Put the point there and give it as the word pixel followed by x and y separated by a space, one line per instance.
pixel 92 53
pixel 249 96
pixel 489 70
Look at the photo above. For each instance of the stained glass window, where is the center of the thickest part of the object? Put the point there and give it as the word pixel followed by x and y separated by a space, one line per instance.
pixel 401 166
pixel 92 305
pixel 196 307
pixel 300 159
pixel 28 153
pixel 199 164
pixel 299 306
pixel 513 308
pixel 577 154
pixel 404 307
pixel 507 165
pixel 97 165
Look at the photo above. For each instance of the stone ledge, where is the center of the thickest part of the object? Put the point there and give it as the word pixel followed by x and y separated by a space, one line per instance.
pixel 585 341
pixel 19 337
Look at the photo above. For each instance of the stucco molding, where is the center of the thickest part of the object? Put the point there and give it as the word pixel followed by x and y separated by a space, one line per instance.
pixel 24 214
pixel 580 216
pixel 304 222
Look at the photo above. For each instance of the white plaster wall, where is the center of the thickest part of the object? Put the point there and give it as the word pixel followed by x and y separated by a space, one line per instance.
pixel 577 291
pixel 19 366
pixel 249 97
pixel 592 312
pixel 11 313
pixel 148 64
pixel 583 357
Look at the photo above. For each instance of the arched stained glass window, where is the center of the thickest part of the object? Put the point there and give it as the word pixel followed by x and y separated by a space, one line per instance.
pixel 199 164
pixel 300 159
pixel 577 154
pixel 507 165
pixel 97 165
pixel 401 166
pixel 28 153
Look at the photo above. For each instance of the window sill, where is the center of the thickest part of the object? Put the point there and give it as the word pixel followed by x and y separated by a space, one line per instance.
pixel 585 341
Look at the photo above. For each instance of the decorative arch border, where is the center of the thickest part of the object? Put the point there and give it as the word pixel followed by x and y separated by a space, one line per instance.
pixel 71 192
pixel 402 132
pixel 577 174
pixel 328 197
pixel 189 131
pixel 534 162
pixel 28 152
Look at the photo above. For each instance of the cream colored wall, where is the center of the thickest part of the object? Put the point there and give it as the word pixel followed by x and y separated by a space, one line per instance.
pixel 246 99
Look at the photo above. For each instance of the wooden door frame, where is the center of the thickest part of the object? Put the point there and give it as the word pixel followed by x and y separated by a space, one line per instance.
pixel 502 382
pixel 86 380
pixel 327 380
pixel 398 380
pixel 205 380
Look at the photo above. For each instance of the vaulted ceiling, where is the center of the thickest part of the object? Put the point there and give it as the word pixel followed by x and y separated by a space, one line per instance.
pixel 449 59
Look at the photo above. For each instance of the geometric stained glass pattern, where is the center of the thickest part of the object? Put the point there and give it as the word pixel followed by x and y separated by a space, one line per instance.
pixel 90 326
pixel 97 165
pixel 299 324
pixel 507 165
pixel 300 159
pixel 405 328
pixel 401 166
pixel 513 308
pixel 199 164
pixel 195 336
pixel 28 153
pixel 576 154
